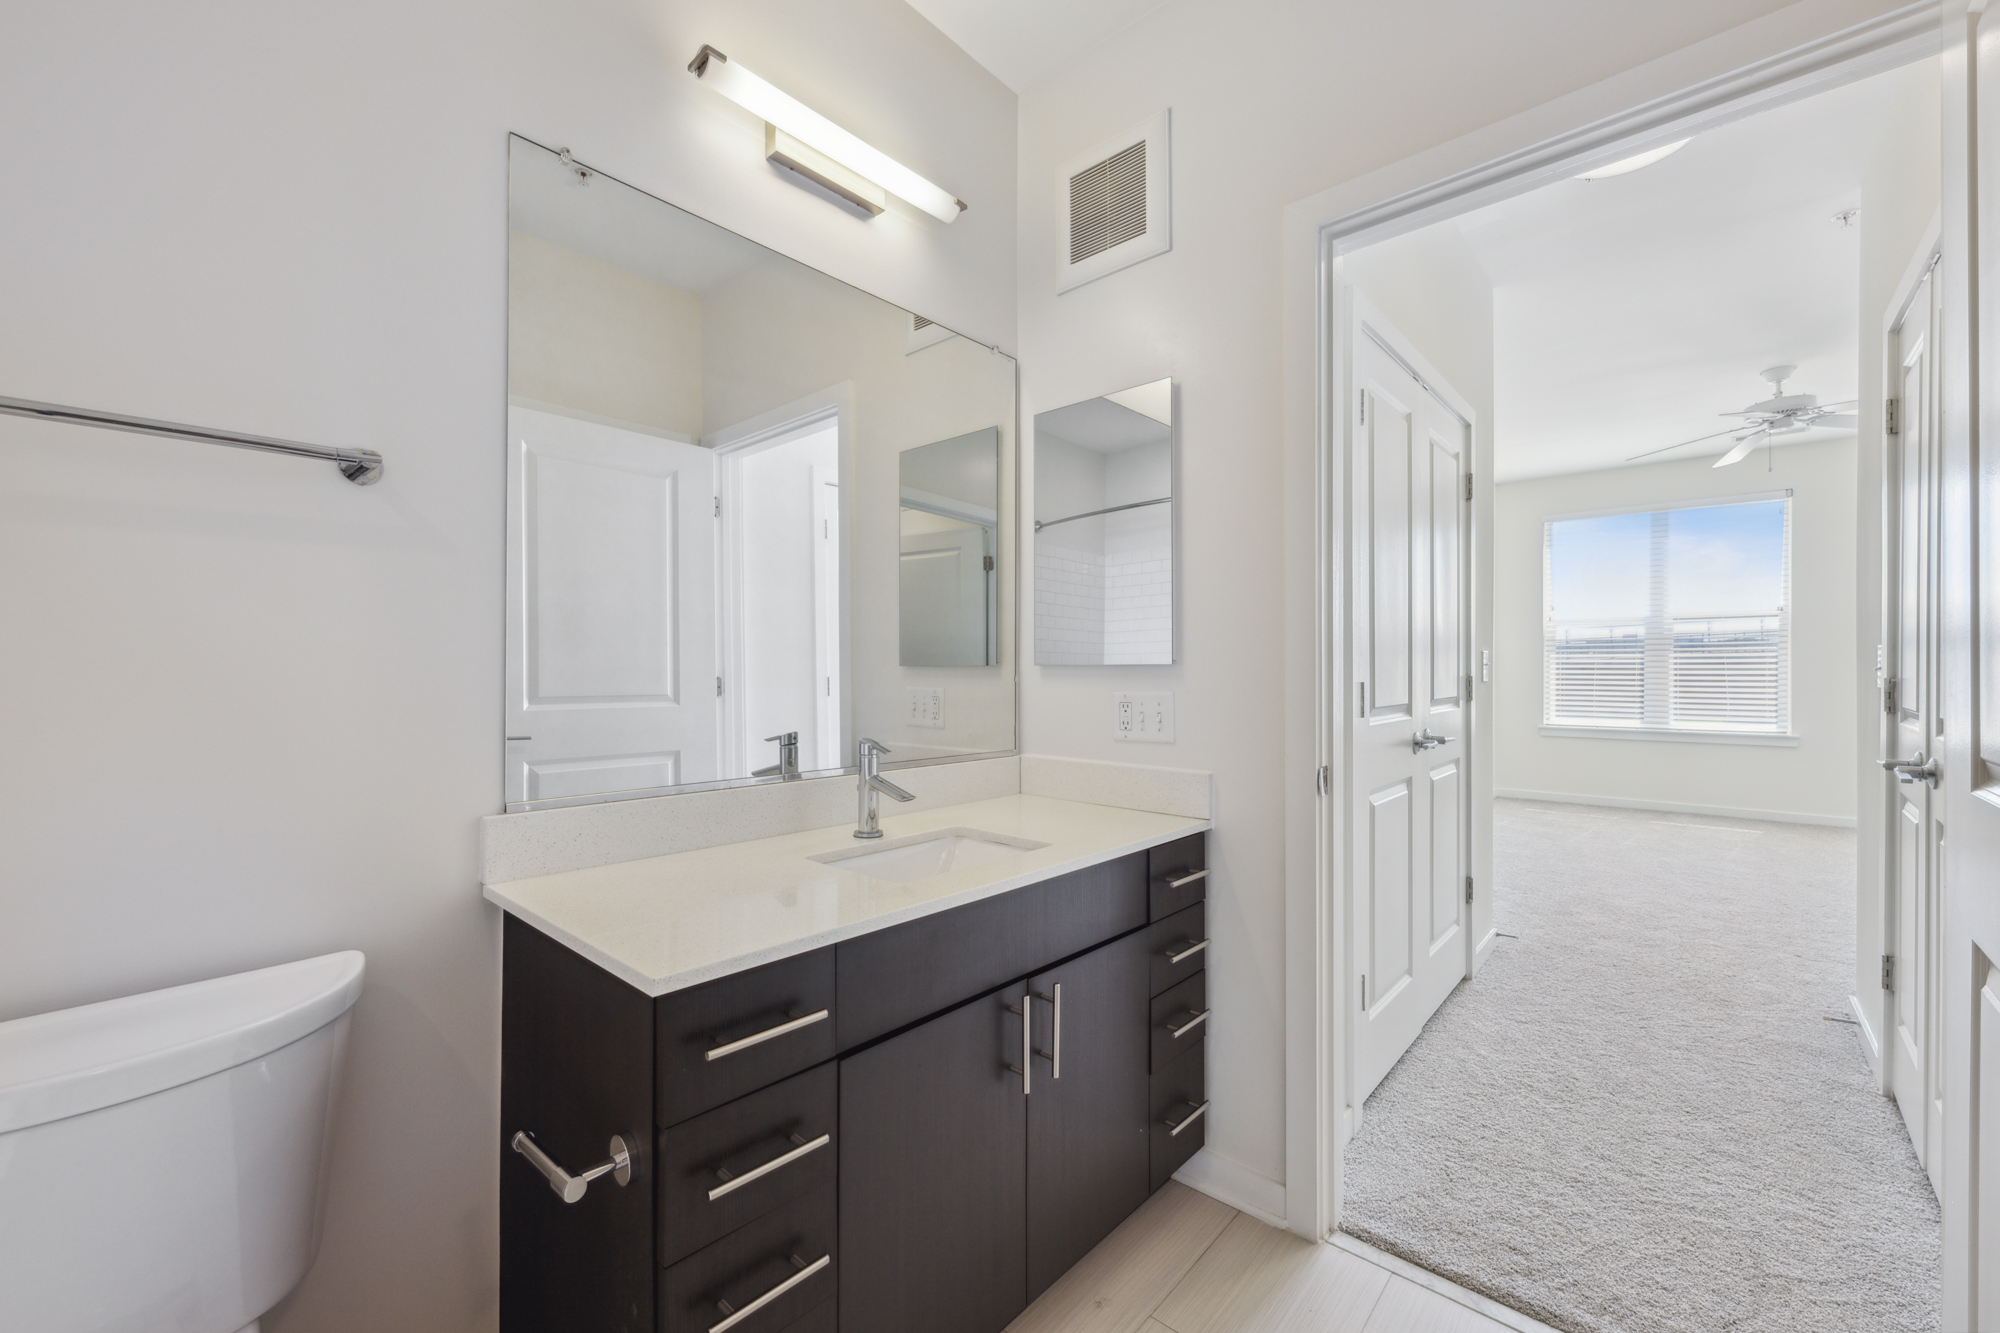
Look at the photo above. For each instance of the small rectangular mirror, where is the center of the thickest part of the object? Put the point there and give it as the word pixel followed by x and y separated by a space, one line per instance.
pixel 949 575
pixel 1104 530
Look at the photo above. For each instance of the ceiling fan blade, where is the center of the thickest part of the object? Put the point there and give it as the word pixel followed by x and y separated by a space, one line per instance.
pixel 1696 440
pixel 1743 447
pixel 1839 421
pixel 1845 402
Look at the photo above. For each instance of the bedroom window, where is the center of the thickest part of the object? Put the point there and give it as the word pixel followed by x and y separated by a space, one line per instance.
pixel 1674 621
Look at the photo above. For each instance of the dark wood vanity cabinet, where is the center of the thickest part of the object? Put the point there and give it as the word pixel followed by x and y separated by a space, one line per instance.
pixel 915 1131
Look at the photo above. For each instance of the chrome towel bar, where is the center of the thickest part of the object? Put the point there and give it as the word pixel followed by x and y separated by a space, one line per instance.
pixel 363 467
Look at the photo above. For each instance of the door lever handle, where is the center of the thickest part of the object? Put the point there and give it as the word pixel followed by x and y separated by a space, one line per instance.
pixel 1914 770
pixel 1424 740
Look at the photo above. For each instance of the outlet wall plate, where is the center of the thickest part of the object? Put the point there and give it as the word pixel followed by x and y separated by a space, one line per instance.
pixel 926 706
pixel 1142 717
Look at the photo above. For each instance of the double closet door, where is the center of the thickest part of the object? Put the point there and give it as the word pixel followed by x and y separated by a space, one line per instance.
pixel 1410 815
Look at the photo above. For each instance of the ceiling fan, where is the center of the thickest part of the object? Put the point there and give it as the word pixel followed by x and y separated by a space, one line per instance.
pixel 1780 414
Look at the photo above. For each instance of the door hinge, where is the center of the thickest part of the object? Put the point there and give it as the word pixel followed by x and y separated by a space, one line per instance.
pixel 1364 992
pixel 1362 690
pixel 718 687
pixel 1468 485
pixel 1888 971
pixel 718 506
pixel 1364 407
pixel 1321 779
pixel 1468 888
pixel 1889 696
pixel 1889 417
pixel 1468 689
pixel 989 564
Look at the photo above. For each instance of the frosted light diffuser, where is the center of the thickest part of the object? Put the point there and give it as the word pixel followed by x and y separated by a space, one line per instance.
pixel 1624 165
pixel 810 128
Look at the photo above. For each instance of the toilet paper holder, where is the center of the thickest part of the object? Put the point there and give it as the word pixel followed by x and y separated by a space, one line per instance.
pixel 571 1187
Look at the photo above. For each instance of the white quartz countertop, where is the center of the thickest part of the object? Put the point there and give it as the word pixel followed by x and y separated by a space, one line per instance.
pixel 669 922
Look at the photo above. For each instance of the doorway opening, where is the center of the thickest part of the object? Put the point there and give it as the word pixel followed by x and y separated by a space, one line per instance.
pixel 1633 964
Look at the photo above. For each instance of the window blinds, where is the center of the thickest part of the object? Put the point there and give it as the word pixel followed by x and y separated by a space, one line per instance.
pixel 1677 619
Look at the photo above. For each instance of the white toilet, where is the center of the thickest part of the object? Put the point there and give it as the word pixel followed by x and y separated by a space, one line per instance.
pixel 161 1156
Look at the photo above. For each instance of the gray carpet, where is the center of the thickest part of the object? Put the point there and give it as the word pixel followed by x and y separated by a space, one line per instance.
pixel 1637 1117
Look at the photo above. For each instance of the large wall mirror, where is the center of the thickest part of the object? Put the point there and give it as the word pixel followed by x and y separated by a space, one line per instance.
pixel 753 513
pixel 1104 530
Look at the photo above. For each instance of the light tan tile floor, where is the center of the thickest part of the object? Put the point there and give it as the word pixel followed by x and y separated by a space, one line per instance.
pixel 1185 1263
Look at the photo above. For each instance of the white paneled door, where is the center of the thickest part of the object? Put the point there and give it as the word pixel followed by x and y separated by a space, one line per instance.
pixel 1410 782
pixel 612 684
pixel 1911 730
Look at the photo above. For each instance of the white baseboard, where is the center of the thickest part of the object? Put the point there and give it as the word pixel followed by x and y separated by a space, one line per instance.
pixel 1868 1038
pixel 1236 1185
pixel 1677 807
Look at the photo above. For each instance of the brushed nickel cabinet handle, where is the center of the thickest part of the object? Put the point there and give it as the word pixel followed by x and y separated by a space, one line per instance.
pixel 1187 879
pixel 1193 947
pixel 732 1183
pixel 1026 1068
pixel 1194 1021
pixel 570 1188
pixel 736 1316
pixel 1174 1130
pixel 757 1038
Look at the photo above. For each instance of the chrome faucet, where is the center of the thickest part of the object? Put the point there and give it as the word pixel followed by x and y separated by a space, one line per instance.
pixel 788 757
pixel 872 781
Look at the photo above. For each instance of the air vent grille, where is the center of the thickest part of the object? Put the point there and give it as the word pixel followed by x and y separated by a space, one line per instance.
pixel 918 323
pixel 1107 203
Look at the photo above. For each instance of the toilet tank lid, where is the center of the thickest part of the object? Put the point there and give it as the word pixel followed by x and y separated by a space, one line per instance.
pixel 96 1055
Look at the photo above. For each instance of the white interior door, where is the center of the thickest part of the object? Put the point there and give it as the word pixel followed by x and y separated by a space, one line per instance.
pixel 827 752
pixel 1410 781
pixel 611 676
pixel 1910 968
pixel 945 569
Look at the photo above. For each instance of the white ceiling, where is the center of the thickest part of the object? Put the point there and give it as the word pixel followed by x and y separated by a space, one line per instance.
pixel 1630 312
pixel 1022 42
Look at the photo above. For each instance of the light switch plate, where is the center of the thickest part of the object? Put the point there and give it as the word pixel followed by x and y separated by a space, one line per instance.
pixel 1143 717
pixel 926 706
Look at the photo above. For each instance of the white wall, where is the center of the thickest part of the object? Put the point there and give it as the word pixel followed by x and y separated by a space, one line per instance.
pixel 1815 778
pixel 1325 93
pixel 255 710
pixel 779 612
pixel 1899 198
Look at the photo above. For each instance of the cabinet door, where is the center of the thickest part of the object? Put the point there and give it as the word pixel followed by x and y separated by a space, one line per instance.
pixel 1087 1132
pixel 933 1175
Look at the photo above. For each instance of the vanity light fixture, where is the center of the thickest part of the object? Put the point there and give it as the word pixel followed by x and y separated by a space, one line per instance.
pixel 787 117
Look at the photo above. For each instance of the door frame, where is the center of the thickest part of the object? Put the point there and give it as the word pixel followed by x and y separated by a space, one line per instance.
pixel 732 444
pixel 1747 69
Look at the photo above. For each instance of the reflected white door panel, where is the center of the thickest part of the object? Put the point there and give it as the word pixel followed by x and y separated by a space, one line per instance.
pixel 611 662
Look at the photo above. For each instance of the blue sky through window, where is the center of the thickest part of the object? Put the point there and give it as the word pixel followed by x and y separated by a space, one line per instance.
pixel 1722 560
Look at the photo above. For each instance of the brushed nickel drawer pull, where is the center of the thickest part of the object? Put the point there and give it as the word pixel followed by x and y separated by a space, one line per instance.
pixel 1187 879
pixel 737 1316
pixel 570 1188
pixel 1174 1130
pixel 731 1183
pixel 1193 947
pixel 1194 1021
pixel 757 1038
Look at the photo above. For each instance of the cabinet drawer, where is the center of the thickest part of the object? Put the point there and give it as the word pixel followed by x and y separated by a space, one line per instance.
pixel 825 1319
pixel 790 1123
pixel 750 1265
pixel 1183 937
pixel 1177 873
pixel 891 978
pixel 739 1033
pixel 1178 1019
pixel 1179 1090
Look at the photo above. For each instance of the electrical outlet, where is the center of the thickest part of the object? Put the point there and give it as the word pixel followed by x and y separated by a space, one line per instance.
pixel 1143 717
pixel 926 706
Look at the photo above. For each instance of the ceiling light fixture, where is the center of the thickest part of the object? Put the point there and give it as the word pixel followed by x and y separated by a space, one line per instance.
pixel 793 117
pixel 1633 163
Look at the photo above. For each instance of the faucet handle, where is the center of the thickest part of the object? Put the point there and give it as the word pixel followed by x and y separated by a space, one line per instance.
pixel 867 746
pixel 785 738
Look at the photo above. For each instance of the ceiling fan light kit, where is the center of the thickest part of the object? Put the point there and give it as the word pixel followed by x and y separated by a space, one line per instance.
pixel 1780 414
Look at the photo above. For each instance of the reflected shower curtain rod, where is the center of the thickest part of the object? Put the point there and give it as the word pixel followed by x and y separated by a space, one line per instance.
pixel 1115 509
pixel 363 467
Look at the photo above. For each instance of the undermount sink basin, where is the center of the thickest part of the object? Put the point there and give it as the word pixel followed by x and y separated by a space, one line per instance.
pixel 925 854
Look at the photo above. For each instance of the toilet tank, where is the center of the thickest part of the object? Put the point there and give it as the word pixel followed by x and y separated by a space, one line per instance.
pixel 162 1156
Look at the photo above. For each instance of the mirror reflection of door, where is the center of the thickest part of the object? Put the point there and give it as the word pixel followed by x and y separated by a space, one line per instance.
pixel 948 580
pixel 1104 576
